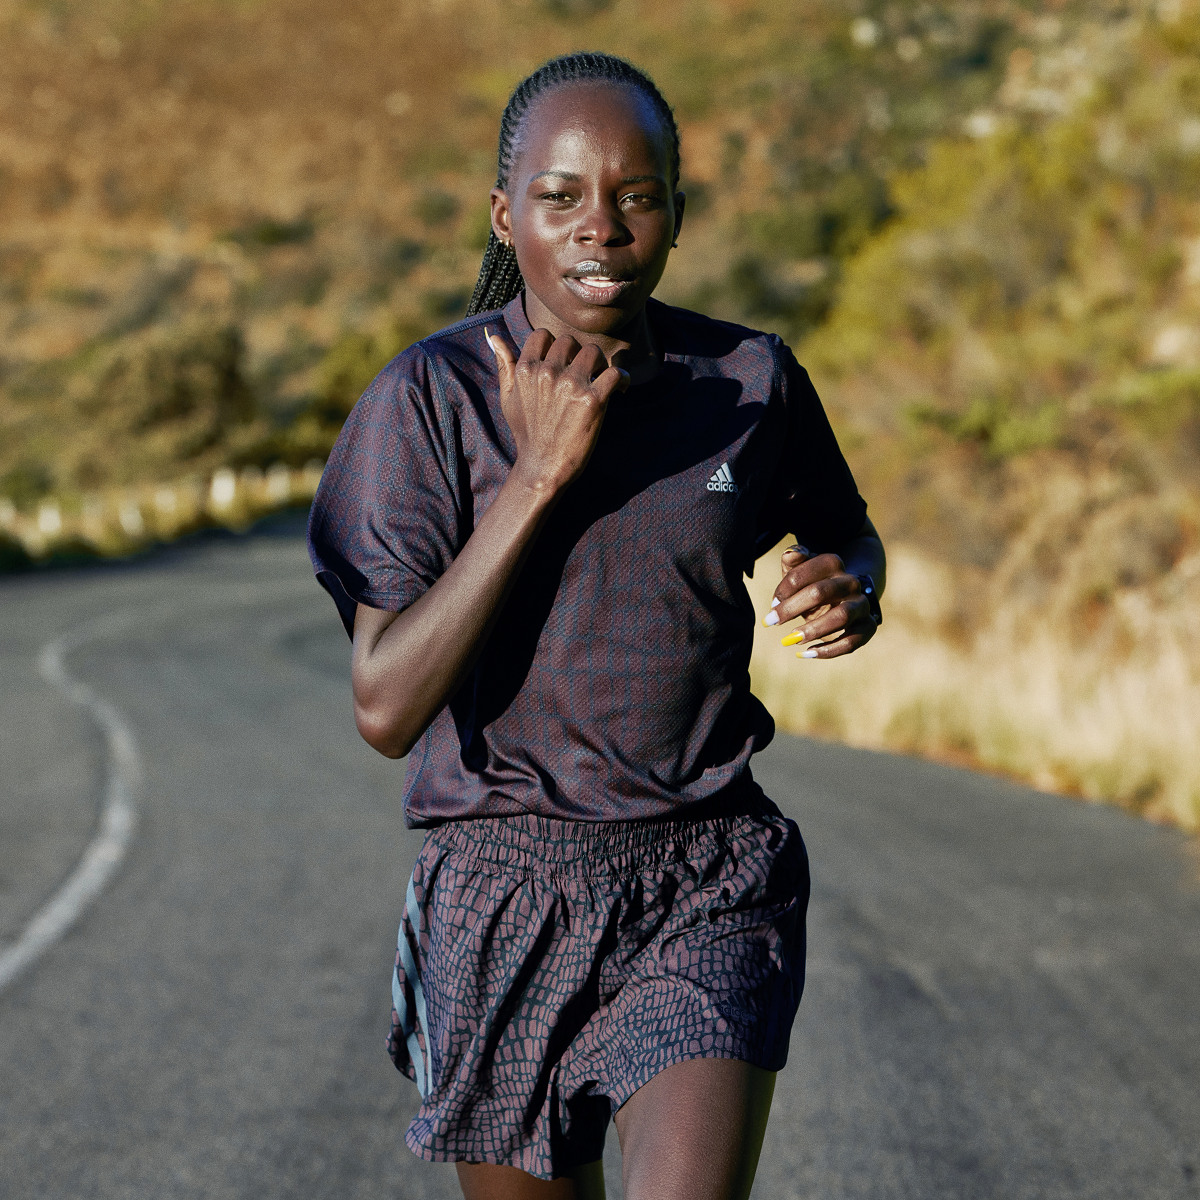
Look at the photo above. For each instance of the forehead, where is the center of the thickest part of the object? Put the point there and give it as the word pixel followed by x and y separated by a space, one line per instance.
pixel 589 120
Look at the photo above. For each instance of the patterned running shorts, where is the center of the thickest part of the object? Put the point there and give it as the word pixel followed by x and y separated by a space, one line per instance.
pixel 548 969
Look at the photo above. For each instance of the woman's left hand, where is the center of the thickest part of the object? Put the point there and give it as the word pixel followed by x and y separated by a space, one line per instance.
pixel 837 615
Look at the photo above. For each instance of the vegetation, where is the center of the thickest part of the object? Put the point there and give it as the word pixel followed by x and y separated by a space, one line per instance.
pixel 976 220
pixel 1018 355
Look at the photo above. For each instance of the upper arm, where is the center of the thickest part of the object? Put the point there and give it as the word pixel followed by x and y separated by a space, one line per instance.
pixel 868 530
pixel 366 680
pixel 369 626
pixel 813 495
pixel 385 522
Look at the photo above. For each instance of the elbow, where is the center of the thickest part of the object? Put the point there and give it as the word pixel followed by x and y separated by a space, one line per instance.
pixel 382 734
pixel 378 716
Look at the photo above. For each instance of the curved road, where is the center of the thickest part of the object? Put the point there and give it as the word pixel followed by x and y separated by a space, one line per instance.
pixel 1004 988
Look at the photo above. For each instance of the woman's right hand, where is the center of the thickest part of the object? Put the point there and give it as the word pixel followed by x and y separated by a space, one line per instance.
pixel 408 664
pixel 554 397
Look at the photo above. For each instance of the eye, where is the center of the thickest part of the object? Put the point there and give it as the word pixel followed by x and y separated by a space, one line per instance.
pixel 556 197
pixel 640 200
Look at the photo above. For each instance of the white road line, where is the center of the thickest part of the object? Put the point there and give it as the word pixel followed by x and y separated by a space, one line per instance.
pixel 118 818
pixel 123 771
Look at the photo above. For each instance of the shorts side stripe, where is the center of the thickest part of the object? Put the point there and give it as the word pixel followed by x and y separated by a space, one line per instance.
pixel 404 1020
pixel 422 1062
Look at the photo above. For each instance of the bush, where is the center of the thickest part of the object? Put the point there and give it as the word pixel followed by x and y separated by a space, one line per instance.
pixel 13 556
pixel 352 362
pixel 153 405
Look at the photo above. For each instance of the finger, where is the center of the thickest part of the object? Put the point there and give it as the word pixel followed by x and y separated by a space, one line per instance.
pixel 537 346
pixel 811 613
pixel 819 595
pixel 611 380
pixel 793 556
pixel 807 571
pixel 563 351
pixel 846 644
pixel 588 363
pixel 796 604
pixel 858 631
pixel 506 359
pixel 810 570
pixel 833 621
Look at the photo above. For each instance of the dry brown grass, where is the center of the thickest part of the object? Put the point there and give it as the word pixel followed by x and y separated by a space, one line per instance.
pixel 1112 717
pixel 1016 367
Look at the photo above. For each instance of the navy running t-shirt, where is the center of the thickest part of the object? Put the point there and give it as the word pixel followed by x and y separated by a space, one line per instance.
pixel 615 684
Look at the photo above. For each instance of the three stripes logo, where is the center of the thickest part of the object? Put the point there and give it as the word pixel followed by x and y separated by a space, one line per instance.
pixel 722 480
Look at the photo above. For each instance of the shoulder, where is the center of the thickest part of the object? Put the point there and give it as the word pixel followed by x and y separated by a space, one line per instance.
pixel 735 349
pixel 423 374
pixel 460 347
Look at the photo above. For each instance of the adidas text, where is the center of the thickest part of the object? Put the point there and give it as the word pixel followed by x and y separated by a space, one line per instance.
pixel 722 480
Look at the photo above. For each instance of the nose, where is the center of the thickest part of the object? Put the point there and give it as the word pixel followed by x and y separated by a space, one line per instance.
pixel 600 224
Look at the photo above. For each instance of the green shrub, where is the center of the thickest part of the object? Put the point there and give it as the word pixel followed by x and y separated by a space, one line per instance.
pixel 351 363
pixel 13 556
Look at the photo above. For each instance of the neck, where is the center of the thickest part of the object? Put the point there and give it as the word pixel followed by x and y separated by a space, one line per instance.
pixel 630 347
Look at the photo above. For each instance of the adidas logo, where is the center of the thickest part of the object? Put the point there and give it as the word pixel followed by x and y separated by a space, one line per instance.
pixel 722 480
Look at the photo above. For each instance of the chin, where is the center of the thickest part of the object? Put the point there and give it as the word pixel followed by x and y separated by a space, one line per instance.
pixel 604 320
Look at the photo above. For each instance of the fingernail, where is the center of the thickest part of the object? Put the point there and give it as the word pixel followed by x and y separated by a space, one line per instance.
pixel 792 638
pixel 488 335
pixel 772 618
pixel 806 654
pixel 775 602
pixel 798 550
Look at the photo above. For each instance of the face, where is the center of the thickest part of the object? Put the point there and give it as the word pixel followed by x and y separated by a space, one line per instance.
pixel 590 209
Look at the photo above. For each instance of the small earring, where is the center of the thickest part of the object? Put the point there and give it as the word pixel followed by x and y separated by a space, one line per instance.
pixel 674 245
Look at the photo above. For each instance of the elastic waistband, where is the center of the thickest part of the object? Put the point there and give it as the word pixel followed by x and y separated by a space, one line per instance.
pixel 550 845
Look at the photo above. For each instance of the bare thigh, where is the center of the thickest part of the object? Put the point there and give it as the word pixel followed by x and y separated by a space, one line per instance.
pixel 484 1181
pixel 694 1132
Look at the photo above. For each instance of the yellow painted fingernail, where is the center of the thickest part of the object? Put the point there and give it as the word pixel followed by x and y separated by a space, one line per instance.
pixel 487 333
pixel 793 638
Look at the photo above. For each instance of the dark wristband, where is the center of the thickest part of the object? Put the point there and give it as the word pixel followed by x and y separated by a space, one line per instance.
pixel 872 594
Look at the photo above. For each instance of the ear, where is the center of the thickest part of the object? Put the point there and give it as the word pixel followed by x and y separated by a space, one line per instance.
pixel 680 202
pixel 501 216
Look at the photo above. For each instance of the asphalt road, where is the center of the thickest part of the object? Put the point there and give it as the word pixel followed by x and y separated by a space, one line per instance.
pixel 1004 987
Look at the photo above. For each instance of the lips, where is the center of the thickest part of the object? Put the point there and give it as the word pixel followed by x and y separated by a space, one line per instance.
pixel 598 291
pixel 593 283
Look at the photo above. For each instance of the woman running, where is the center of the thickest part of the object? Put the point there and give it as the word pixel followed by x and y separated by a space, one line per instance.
pixel 535 525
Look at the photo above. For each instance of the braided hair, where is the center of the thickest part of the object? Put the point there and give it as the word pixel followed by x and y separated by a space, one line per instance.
pixel 499 276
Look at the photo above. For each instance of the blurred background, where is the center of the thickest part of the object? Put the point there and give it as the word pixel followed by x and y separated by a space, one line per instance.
pixel 977 222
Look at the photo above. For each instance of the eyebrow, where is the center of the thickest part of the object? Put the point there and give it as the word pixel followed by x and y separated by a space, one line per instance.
pixel 571 177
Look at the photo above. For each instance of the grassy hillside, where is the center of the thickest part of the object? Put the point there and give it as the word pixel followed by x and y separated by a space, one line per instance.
pixel 244 207
pixel 1017 358
pixel 975 220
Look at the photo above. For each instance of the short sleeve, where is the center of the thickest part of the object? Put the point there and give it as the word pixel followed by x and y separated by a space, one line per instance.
pixel 813 495
pixel 386 517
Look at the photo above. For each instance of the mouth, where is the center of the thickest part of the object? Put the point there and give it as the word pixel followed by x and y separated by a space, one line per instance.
pixel 594 283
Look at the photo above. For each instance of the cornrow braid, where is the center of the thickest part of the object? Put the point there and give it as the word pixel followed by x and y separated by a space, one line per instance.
pixel 499 276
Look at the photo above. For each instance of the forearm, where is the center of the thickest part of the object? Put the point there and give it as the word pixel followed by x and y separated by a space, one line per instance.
pixel 406 666
pixel 863 555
